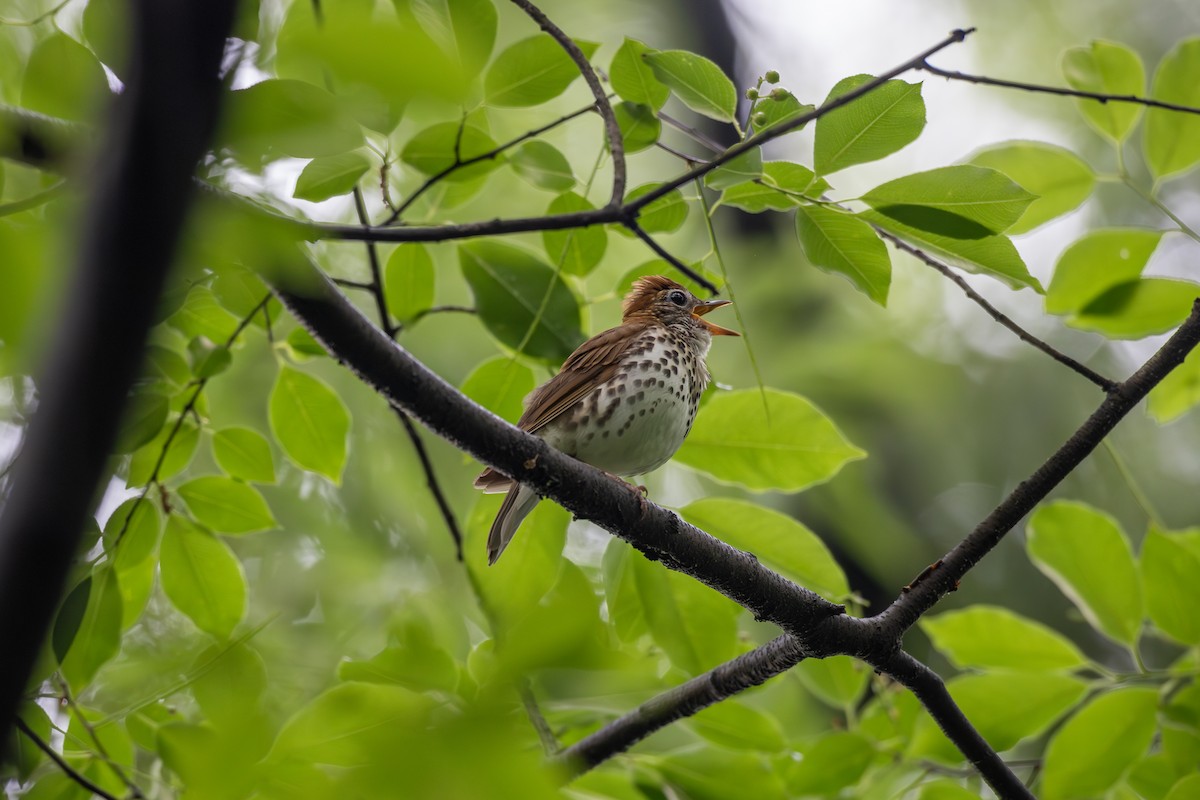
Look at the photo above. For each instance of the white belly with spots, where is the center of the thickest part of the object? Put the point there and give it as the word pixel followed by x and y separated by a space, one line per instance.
pixel 637 430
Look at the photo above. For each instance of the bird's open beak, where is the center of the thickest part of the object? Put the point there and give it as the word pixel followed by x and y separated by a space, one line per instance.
pixel 716 330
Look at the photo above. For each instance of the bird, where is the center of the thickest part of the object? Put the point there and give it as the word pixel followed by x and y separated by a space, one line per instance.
pixel 623 401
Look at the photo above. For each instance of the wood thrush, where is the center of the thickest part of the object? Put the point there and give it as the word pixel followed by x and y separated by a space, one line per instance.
pixel 624 400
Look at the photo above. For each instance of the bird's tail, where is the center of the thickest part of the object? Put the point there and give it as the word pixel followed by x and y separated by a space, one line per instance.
pixel 519 501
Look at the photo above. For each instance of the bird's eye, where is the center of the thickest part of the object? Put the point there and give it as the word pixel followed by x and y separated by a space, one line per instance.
pixel 677 297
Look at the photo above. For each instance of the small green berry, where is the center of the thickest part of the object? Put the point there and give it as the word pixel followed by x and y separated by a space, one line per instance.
pixel 752 94
pixel 760 119
pixel 780 94
pixel 772 76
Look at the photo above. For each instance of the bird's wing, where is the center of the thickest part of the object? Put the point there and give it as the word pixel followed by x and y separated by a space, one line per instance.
pixel 593 362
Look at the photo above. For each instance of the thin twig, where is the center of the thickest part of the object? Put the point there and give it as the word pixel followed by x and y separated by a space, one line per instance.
pixel 134 790
pixel 745 671
pixel 431 480
pixel 33 201
pixel 640 232
pixel 611 213
pixel 1104 383
pixel 376 288
pixel 425 312
pixel 188 408
pixel 549 741
pixel 1058 90
pixel 385 319
pixel 53 755
pixel 346 283
pixel 612 131
pixel 695 134
pixel 689 160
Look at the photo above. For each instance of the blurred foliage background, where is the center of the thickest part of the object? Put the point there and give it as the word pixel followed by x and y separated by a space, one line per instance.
pixel 357 578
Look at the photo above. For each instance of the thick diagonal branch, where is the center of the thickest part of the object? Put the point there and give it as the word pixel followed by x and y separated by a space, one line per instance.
pixel 141 189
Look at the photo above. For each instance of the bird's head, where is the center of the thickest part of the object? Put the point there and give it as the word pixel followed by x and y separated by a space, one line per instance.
pixel 668 303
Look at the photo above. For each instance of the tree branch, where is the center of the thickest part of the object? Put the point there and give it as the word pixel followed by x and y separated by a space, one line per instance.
pixel 1058 90
pixel 141 190
pixel 53 755
pixel 612 131
pixel 747 670
pixel 995 313
pixel 490 154
pixel 923 594
pixel 928 687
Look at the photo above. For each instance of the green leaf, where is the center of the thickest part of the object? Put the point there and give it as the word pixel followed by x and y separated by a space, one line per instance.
pixel 764 194
pixel 375 61
pixel 664 215
pixel 131 532
pixel 531 563
pixel 208 359
pixel 633 80
pixel 520 300
pixel 625 611
pixel 164 364
pixel 531 71
pixel 244 453
pixel 543 166
pixel 1186 787
pixel 994 256
pixel 347 724
pixel 640 126
pixel 144 415
pixel 287 118
pixel 1138 308
pixel 838 681
pixel 874 126
pixel 1172 140
pixel 990 636
pixel 695 80
pixel 577 250
pixel 499 385
pixel 310 422
pixel 837 760
pixel 330 176
pixel 178 454
pixel 84 641
pixel 408 281
pixel 776 109
pixel 21 753
pixel 63 79
pixel 712 773
pixel 464 28
pixel 303 346
pixel 1171 581
pixel 735 441
pixel 1088 557
pixel 202 577
pixel 136 582
pixel 1091 751
pixel 225 505
pixel 694 625
pixel 962 201
pixel 1006 707
pixel 1096 262
pixel 1106 68
pixel 777 540
pixel 1178 392
pixel 738 726
pixel 202 315
pixel 415 661
pixel 746 167
pixel 1059 179
pixel 847 246
pixel 432 150
pixel 229 684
